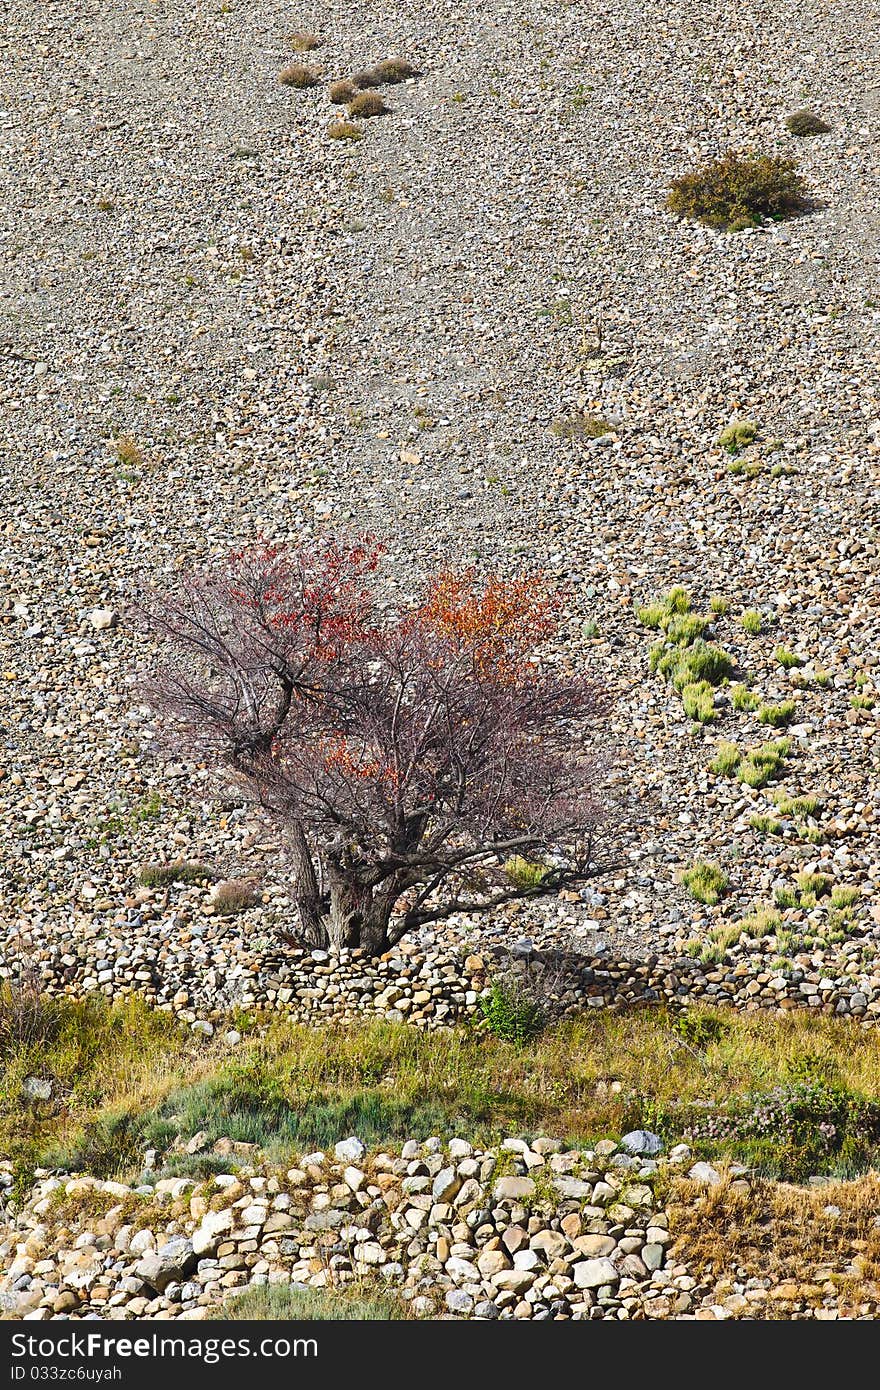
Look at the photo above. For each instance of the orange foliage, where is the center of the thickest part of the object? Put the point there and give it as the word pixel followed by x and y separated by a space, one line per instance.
pixel 498 623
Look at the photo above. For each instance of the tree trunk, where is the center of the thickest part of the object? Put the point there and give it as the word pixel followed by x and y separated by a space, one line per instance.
pixel 358 917
pixel 308 897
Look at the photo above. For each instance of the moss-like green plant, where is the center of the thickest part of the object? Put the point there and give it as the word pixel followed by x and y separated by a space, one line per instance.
pixel 751 621
pixel 777 715
pixel 742 699
pixel 822 678
pixel 705 882
pixel 678 600
pixel 698 700
pixel 651 614
pixel 719 604
pixel 806 123
pixel 684 628
pixel 739 191
pixel 764 922
pixel 737 436
pixel 787 658
pixel 701 662
pixel 726 759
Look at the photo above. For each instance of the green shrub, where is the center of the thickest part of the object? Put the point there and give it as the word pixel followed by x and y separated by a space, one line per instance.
pixel 806 123
pixel 511 1014
pixel 737 436
pixel 705 882
pixel 765 825
pixel 699 1028
pixel 524 873
pixel 290 1303
pixel 739 191
pixel 762 764
pixel 797 807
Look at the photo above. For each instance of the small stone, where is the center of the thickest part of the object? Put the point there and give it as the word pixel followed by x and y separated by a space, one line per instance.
pixel 592 1274
pixel 350 1150
pixel 642 1141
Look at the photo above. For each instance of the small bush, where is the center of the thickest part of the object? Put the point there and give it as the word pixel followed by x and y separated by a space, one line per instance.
pixel 234 896
pixel 128 452
pixel 726 760
pixel 341 92
pixel 289 1303
pixel 395 70
pixel 699 662
pixel 842 896
pixel 299 76
pixel 368 77
pixel 742 699
pixel 739 191
pixel 719 604
pixel 684 628
pixel 367 104
pixel 698 700
pixel 178 871
pixel 706 882
pixel 511 1013
pixel 737 436
pixel 751 621
pixel 806 123
pixel 27 1019
pixel 786 658
pixel 785 897
pixel 777 715
pixel 816 885
pixel 763 763
pixel 699 1029
pixel 344 130
pixel 304 43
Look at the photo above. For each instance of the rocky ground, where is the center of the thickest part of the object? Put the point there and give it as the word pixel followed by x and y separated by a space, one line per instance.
pixel 216 321
pixel 527 1231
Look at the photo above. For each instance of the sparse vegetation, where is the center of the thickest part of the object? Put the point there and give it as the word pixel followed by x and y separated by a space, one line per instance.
pixel 743 700
pixel 128 451
pixel 719 605
pixel 765 825
pixel 304 43
pixel 739 191
pixel 786 658
pixel 395 70
pixel 798 807
pixel 367 77
pixel 737 436
pixel 698 700
pixel 286 1302
pixel 234 895
pixel 726 760
pixel 762 764
pixel 706 882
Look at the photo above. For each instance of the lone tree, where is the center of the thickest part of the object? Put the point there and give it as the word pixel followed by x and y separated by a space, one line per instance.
pixel 417 756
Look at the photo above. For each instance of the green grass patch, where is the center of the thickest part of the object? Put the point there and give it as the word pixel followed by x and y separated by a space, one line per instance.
pixel 786 658
pixel 186 871
pixel 726 760
pixel 287 1303
pixel 698 699
pixel 762 764
pixel 743 700
pixel 706 882
pixel 777 715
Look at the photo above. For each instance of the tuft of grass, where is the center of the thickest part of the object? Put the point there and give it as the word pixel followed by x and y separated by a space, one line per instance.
pixel 367 104
pixel 844 896
pixel 395 70
pixel 367 78
pixel 701 661
pixel 234 895
pixel 765 825
pixel 128 451
pixel 786 658
pixel 798 807
pixel 861 702
pixel 292 1303
pixel 822 678
pixel 752 621
pixel 814 885
pixel 742 699
pixel 178 871
pixel 719 604
pixel 737 436
pixel 299 76
pixel 341 92
pixel 762 764
pixel 777 715
pixel 698 699
pixel 304 43
pixel 706 882
pixel 739 191
pixel 726 759
pixel 785 897
pixel 524 873
pixel 806 123
pixel 344 130
pixel 764 922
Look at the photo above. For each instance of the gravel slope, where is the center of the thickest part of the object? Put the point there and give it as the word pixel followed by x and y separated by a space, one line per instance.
pixel 297 331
